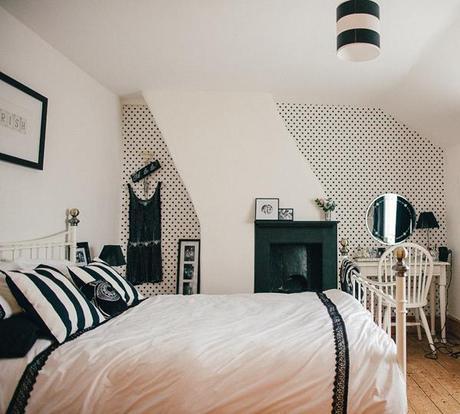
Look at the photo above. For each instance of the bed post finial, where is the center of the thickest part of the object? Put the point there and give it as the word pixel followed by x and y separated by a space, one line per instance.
pixel 401 254
pixel 72 233
pixel 401 270
pixel 73 220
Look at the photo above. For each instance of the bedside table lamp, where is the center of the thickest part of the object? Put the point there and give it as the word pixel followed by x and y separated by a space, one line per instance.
pixel 113 255
pixel 427 220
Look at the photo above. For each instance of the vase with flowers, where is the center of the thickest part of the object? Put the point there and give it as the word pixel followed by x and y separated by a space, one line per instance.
pixel 327 205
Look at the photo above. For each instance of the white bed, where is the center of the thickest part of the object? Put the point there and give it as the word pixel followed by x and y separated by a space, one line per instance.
pixel 249 353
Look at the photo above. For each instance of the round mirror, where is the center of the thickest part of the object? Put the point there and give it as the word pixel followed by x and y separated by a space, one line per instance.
pixel 390 219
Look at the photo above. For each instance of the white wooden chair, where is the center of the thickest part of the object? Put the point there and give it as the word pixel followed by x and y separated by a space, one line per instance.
pixel 418 283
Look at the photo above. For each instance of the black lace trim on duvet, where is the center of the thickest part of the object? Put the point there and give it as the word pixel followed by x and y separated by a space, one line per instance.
pixel 342 357
pixel 26 384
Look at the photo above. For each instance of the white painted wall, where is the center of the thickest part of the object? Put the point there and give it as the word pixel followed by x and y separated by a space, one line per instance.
pixel 427 98
pixel 230 148
pixel 453 225
pixel 82 150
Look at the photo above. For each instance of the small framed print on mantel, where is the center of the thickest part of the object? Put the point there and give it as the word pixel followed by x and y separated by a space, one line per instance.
pixel 267 208
pixel 188 267
pixel 22 124
pixel 286 214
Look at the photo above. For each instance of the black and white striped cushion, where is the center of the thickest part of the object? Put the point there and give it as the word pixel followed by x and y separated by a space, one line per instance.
pixel 99 270
pixel 5 308
pixel 53 301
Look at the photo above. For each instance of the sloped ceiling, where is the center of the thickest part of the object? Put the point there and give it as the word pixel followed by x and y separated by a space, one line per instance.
pixel 286 48
pixel 428 97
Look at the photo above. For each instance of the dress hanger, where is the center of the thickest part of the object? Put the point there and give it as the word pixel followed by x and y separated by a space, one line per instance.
pixel 150 166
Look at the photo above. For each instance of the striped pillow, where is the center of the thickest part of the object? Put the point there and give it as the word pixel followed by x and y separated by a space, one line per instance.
pixel 53 302
pixel 7 296
pixel 99 270
pixel 5 308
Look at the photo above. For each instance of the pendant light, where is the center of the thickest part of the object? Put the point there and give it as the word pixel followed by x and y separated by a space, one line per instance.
pixel 358 26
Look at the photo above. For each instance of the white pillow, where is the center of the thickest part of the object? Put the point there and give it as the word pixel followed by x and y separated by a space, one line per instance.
pixel 6 265
pixel 24 263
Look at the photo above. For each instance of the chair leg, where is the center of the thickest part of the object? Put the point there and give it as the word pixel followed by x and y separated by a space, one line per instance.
pixel 427 330
pixel 417 319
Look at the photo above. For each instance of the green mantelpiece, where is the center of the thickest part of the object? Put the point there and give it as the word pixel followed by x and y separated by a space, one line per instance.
pixel 319 239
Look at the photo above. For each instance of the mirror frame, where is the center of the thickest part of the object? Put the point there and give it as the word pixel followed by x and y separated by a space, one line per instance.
pixel 371 204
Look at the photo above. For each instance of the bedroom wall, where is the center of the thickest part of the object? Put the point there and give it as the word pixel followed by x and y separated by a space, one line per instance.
pixel 82 149
pixel 453 204
pixel 230 148
pixel 178 217
pixel 358 153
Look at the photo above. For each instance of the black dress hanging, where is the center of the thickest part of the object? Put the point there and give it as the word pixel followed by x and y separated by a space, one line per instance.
pixel 144 243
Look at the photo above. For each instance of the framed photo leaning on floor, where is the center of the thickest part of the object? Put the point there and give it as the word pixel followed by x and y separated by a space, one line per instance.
pixel 188 267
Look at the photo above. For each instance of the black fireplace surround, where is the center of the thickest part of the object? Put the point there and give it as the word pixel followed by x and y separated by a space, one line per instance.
pixel 295 256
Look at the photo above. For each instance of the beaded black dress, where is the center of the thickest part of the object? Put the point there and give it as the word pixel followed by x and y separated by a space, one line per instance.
pixel 144 243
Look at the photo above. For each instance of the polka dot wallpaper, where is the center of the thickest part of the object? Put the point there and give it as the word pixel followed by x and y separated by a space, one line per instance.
pixel 140 136
pixel 360 153
pixel 356 153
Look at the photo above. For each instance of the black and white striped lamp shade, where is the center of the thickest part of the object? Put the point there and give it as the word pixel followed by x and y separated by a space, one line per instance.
pixel 358 30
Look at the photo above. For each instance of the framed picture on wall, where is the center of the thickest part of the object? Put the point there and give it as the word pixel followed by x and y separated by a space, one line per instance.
pixel 83 254
pixel 267 208
pixel 22 124
pixel 188 267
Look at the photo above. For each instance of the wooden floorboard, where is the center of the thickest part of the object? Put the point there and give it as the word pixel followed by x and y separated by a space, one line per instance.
pixel 433 386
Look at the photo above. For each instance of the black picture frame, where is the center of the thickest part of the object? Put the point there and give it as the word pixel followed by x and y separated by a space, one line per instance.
pixel 182 262
pixel 38 165
pixel 286 214
pixel 84 248
pixel 271 200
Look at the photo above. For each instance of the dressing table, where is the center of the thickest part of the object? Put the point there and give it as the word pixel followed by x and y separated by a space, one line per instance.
pixel 369 268
pixel 391 220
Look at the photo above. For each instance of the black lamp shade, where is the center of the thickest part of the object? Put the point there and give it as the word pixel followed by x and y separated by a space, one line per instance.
pixel 427 220
pixel 112 254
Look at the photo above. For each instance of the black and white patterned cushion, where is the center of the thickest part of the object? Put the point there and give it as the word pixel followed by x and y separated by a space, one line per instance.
pixel 99 270
pixel 104 297
pixel 53 302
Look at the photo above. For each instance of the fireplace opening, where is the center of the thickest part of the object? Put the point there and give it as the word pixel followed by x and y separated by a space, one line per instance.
pixel 295 267
pixel 295 256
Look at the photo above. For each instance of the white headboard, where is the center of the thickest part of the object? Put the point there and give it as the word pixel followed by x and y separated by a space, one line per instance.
pixel 58 246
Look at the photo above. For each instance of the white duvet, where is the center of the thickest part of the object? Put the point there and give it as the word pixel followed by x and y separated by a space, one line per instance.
pixel 269 353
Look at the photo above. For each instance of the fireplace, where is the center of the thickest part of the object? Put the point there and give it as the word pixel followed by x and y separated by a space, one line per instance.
pixel 295 256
